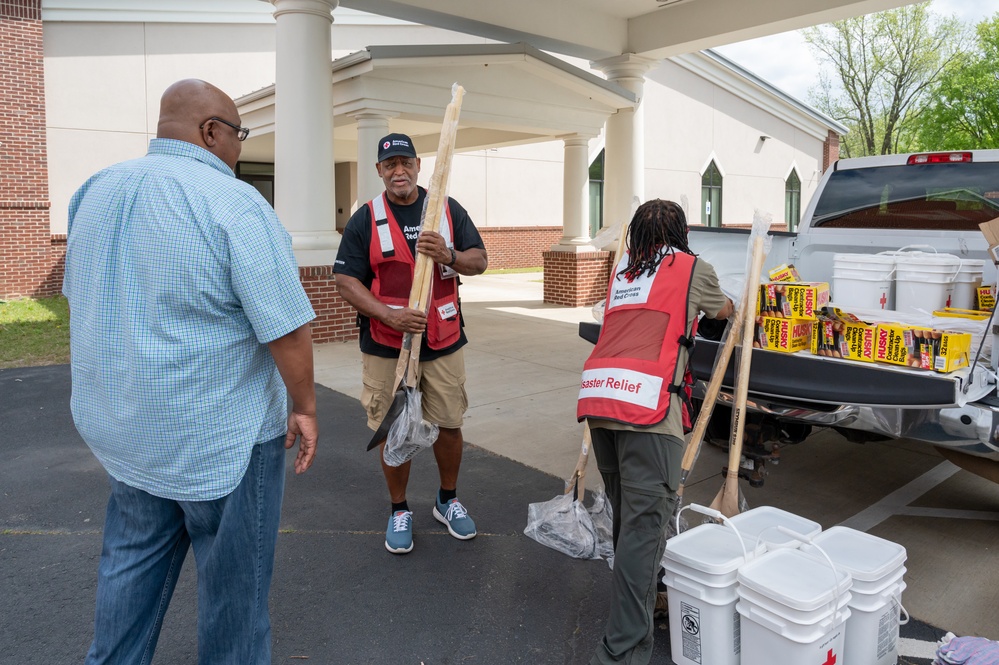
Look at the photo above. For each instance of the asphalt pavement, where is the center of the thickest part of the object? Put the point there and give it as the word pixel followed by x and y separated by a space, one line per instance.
pixel 338 596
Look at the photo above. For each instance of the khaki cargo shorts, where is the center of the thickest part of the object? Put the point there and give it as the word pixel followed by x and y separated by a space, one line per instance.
pixel 441 383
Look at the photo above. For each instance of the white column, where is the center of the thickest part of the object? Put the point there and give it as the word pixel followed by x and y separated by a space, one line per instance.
pixel 575 196
pixel 303 128
pixel 371 126
pixel 624 144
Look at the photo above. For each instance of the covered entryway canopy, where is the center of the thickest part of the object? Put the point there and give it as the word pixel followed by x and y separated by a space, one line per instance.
pixel 515 94
pixel 597 29
pixel 623 39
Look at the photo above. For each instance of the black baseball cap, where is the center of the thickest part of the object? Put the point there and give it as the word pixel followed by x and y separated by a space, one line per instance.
pixel 395 145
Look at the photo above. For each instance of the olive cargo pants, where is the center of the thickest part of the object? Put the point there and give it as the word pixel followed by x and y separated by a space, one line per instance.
pixel 641 471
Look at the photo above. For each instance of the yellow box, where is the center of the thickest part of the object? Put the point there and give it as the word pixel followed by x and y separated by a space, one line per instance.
pixel 895 344
pixel 923 348
pixel 784 273
pixel 780 334
pixel 858 341
pixel 986 298
pixel 793 300
pixel 954 313
pixel 952 351
pixel 842 339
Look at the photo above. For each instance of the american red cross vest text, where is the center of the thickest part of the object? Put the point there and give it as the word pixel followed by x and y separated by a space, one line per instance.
pixel 629 374
pixel 393 264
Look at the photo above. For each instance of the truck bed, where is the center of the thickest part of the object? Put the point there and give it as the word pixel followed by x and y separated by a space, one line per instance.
pixel 805 378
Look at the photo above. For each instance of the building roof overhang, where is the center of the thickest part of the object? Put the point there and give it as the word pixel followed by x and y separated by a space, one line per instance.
pixel 514 94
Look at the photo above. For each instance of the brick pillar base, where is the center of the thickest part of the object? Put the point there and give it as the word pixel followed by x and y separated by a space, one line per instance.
pixel 575 279
pixel 335 319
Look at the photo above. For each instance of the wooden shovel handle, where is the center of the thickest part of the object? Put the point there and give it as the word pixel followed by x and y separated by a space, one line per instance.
pixel 721 364
pixel 419 293
pixel 742 382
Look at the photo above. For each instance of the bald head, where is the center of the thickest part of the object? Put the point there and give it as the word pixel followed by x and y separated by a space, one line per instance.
pixel 186 109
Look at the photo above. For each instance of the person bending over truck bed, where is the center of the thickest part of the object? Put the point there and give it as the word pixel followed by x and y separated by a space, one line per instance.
pixel 629 399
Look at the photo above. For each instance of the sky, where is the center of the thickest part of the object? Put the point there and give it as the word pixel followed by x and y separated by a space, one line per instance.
pixel 786 61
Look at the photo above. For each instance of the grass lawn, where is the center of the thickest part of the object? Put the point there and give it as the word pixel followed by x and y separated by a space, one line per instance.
pixel 34 332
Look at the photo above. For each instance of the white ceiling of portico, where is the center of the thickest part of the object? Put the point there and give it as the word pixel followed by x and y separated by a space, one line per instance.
pixel 515 94
pixel 596 29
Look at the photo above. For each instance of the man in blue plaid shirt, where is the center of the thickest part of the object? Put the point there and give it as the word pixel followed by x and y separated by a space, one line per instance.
pixel 189 329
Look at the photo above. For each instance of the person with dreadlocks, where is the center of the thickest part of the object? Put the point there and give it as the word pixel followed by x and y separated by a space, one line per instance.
pixel 629 397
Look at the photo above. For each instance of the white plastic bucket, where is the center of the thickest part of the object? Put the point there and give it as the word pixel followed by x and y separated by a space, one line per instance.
pixel 701 567
pixel 793 607
pixel 966 284
pixel 759 527
pixel 877 567
pixel 864 281
pixel 924 282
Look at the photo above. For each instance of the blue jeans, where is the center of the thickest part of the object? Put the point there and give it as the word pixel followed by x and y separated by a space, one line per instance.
pixel 146 539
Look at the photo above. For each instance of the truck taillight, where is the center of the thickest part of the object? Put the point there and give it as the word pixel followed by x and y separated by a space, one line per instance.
pixel 940 158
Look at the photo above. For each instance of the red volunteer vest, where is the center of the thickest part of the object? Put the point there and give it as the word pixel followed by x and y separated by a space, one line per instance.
pixel 629 375
pixel 393 264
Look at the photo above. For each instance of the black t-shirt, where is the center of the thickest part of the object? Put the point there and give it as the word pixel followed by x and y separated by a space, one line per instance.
pixel 353 259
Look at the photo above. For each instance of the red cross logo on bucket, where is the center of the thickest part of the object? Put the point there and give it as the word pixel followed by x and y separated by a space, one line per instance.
pixel 884 300
pixel 830 658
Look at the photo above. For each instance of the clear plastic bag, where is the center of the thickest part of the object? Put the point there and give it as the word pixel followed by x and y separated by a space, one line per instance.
pixel 566 525
pixel 410 433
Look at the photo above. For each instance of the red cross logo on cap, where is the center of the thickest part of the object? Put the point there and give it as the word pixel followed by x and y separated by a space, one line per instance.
pixel 386 145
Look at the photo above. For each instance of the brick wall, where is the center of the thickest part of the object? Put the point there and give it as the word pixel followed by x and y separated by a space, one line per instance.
pixel 830 150
pixel 335 318
pixel 518 246
pixel 576 280
pixel 26 248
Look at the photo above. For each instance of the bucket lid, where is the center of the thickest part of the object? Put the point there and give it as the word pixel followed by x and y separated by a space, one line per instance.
pixel 709 548
pixel 794 579
pixel 879 259
pixel 762 522
pixel 867 558
pixel 927 259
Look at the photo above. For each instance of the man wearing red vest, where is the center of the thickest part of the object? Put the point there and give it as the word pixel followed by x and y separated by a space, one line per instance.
pixel 629 398
pixel 374 273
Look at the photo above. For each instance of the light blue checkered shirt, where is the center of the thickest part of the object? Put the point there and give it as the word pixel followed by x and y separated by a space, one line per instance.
pixel 177 276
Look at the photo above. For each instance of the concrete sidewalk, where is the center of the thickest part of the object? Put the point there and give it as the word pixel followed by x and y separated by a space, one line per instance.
pixel 522 361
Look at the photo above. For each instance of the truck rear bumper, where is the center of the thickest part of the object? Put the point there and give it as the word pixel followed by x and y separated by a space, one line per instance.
pixel 972 428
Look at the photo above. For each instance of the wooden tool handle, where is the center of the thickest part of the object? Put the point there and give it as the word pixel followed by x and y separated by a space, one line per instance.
pixel 742 383
pixel 721 365
pixel 436 198
pixel 419 293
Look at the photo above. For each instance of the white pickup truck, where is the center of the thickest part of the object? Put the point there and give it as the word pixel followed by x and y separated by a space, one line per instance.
pixel 867 205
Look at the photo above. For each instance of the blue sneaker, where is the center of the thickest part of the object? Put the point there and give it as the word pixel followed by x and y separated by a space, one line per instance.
pixel 455 517
pixel 399 535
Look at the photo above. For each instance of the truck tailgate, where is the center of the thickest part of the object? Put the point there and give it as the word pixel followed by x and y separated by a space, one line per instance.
pixel 804 378
pixel 807 378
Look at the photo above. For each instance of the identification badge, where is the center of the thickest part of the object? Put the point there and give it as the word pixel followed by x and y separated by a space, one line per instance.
pixel 446 272
pixel 447 310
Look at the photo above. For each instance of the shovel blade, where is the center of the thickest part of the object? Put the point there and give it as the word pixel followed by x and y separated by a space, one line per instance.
pixel 393 413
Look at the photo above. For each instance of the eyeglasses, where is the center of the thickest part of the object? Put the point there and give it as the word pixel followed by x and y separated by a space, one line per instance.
pixel 241 132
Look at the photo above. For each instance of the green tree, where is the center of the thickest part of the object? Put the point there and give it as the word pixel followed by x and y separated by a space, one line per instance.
pixel 882 67
pixel 962 110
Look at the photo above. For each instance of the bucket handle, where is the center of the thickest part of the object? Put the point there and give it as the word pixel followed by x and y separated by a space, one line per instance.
pixel 808 539
pixel 902 249
pixel 897 600
pixel 715 515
